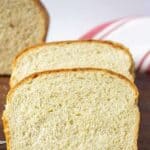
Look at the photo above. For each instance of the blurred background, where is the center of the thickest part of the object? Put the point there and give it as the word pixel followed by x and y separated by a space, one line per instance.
pixel 72 18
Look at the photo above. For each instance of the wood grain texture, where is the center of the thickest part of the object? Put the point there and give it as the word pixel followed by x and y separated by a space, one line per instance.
pixel 143 83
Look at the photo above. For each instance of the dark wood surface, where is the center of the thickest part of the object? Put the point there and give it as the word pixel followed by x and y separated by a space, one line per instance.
pixel 143 83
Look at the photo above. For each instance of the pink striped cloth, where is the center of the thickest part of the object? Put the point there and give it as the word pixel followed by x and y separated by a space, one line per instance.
pixel 134 32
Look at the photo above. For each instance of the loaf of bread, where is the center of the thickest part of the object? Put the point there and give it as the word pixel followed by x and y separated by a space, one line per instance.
pixel 72 109
pixel 23 23
pixel 70 54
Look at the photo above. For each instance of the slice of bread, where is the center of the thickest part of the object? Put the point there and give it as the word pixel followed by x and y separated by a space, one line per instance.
pixel 23 23
pixel 72 109
pixel 70 54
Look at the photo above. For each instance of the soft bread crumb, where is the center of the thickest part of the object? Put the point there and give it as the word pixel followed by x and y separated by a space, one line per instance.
pixel 69 110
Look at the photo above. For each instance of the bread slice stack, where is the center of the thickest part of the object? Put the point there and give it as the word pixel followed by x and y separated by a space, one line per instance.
pixel 73 54
pixel 23 23
pixel 72 95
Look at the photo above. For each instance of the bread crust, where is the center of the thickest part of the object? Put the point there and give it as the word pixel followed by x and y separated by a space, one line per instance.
pixel 113 44
pixel 6 131
pixel 45 16
pixel 111 73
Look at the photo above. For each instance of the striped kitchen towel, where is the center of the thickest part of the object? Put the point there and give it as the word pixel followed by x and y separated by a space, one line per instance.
pixel 134 32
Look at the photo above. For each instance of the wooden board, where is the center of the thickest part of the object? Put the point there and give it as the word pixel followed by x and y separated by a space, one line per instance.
pixel 143 83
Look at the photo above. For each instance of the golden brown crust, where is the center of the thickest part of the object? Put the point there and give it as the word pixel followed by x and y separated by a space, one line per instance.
pixel 6 131
pixel 35 75
pixel 113 44
pixel 45 15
